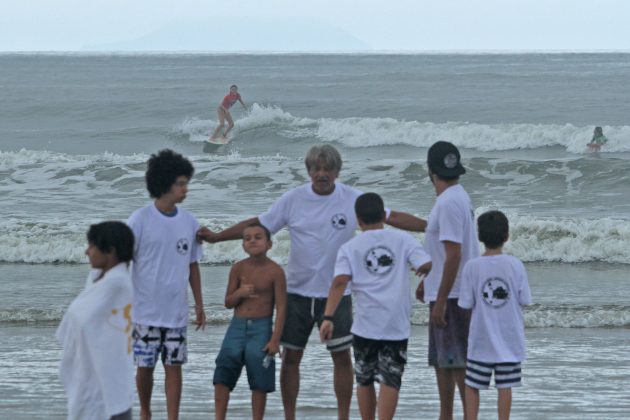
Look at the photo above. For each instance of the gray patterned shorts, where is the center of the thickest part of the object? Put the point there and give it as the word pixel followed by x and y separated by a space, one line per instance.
pixel 448 346
pixel 379 360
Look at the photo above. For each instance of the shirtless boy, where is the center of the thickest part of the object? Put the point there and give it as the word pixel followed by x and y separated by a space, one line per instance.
pixel 255 286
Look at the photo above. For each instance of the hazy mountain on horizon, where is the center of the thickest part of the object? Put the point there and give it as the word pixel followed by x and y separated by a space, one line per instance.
pixel 267 35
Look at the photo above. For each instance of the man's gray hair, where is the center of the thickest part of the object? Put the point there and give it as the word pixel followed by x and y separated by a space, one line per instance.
pixel 325 154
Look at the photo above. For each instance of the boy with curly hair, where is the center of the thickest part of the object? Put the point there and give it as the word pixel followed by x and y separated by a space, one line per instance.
pixel 166 260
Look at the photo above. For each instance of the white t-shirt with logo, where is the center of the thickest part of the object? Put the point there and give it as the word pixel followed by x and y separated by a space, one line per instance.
pixel 378 261
pixel 451 219
pixel 318 226
pixel 165 247
pixel 495 288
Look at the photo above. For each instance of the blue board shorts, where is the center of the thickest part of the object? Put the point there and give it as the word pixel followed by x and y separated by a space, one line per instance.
pixel 243 345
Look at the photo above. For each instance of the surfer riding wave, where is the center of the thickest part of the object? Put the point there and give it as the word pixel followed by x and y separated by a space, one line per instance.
pixel 223 112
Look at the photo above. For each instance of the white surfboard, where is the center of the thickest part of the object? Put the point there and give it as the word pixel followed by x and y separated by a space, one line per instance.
pixel 218 140
pixel 212 145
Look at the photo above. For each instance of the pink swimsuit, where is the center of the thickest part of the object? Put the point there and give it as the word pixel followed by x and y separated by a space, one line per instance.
pixel 230 100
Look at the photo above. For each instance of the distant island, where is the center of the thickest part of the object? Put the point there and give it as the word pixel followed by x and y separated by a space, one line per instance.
pixel 226 36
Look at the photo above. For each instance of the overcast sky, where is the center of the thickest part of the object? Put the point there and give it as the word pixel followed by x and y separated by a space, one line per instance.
pixel 418 25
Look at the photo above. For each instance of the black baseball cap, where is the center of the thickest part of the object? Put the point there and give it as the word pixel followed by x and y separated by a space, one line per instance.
pixel 444 160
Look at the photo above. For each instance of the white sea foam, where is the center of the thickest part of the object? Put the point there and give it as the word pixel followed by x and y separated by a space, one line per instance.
pixel 11 160
pixel 560 316
pixel 531 239
pixel 54 314
pixel 369 132
pixel 536 316
pixel 256 118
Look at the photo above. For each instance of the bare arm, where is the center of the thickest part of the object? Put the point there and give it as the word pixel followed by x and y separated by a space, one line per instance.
pixel 242 103
pixel 453 252
pixel 335 294
pixel 194 280
pixel 406 221
pixel 229 234
pixel 280 300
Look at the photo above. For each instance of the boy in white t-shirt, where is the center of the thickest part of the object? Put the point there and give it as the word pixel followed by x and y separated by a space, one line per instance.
pixel 495 287
pixel 165 263
pixel 375 265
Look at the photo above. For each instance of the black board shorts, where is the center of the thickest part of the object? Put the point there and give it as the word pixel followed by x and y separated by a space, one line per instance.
pixel 303 313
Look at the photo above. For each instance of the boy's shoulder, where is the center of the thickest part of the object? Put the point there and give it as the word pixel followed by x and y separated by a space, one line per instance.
pixel 142 212
pixel 247 262
pixel 394 235
pixel 505 259
pixel 382 237
pixel 187 214
pixel 120 277
pixel 149 212
pixel 453 197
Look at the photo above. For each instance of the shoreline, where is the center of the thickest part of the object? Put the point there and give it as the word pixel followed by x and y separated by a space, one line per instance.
pixel 566 376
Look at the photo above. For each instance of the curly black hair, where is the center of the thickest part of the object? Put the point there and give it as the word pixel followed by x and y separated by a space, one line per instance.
pixel 112 235
pixel 163 169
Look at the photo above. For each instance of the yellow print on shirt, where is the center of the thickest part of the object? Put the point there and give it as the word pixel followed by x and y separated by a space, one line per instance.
pixel 121 320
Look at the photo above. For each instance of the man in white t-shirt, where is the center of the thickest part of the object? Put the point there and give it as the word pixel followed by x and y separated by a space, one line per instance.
pixel 320 218
pixel 495 287
pixel 375 265
pixel 451 240
pixel 165 263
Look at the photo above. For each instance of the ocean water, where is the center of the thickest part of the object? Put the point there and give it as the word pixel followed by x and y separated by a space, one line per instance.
pixel 76 131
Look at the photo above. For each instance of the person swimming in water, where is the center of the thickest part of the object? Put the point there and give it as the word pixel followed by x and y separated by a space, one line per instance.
pixel 598 140
pixel 223 111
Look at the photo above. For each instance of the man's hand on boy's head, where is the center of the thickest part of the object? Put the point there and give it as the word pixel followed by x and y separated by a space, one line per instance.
pixel 205 234
pixel 200 315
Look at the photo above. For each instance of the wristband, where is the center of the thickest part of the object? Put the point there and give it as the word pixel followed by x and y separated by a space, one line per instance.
pixel 327 318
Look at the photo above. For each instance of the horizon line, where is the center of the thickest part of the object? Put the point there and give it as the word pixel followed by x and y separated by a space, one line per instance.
pixel 319 52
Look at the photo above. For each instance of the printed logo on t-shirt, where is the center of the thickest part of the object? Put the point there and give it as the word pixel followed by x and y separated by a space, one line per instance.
pixel 182 246
pixel 379 260
pixel 495 292
pixel 339 221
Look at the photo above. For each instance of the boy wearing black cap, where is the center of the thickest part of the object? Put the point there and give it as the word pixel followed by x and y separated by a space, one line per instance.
pixel 451 240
